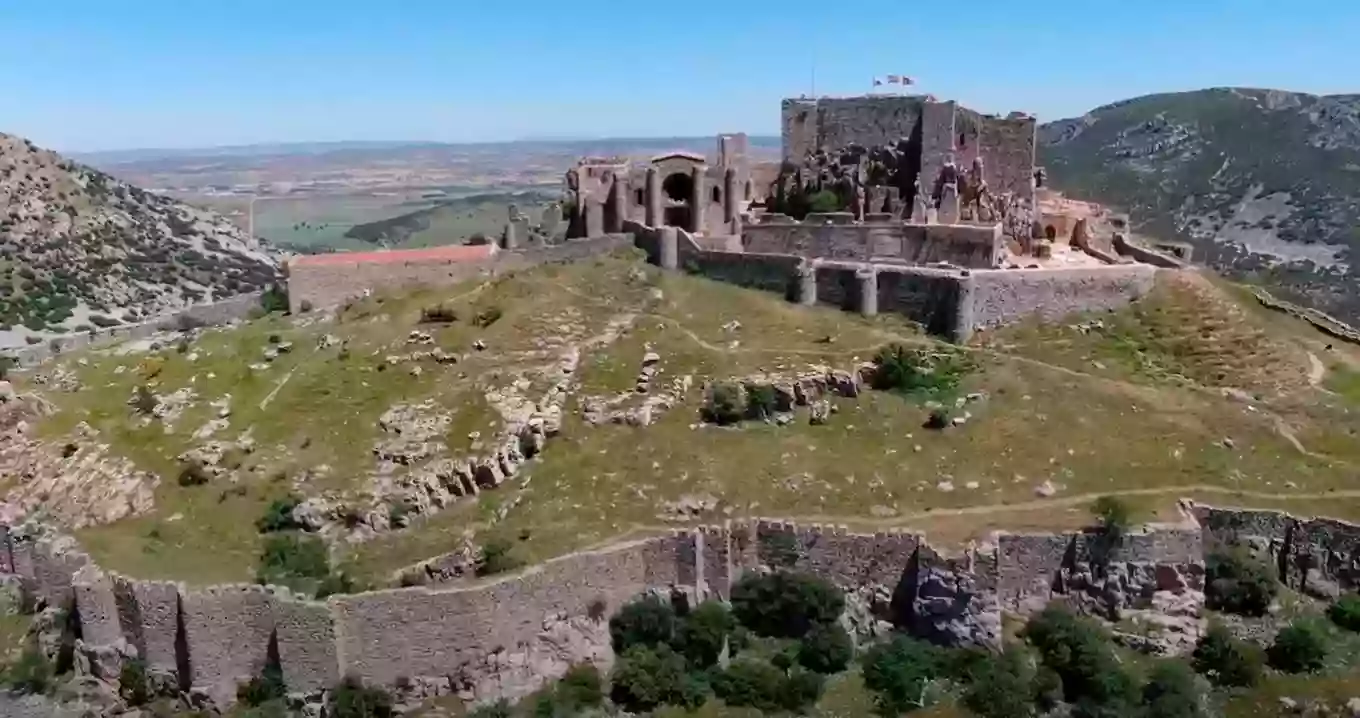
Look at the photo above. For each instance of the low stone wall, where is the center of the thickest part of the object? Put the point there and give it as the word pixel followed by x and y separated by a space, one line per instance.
pixel 1005 296
pixel 331 283
pixel 506 637
pixel 213 314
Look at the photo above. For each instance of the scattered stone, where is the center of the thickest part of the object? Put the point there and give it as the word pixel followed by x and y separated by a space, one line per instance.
pixel 1228 443
pixel 819 412
pixel 7 393
pixel 479 345
pixel 945 486
pixel 1046 489
pixel 731 326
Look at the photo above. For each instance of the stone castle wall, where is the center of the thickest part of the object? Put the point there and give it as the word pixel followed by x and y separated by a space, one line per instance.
pixel 506 637
pixel 807 124
pixel 1006 296
pixel 836 236
pixel 212 314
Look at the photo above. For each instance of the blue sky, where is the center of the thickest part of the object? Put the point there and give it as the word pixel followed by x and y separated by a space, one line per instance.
pixel 107 74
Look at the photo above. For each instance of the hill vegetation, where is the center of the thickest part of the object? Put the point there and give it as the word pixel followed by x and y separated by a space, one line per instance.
pixel 1262 182
pixel 83 250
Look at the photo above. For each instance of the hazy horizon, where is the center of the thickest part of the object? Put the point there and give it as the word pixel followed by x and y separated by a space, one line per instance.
pixel 89 76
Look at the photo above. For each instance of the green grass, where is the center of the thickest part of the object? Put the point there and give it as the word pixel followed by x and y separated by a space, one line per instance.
pixel 1134 407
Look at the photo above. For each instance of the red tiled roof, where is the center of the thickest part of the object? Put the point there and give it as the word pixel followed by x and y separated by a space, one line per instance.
pixel 450 253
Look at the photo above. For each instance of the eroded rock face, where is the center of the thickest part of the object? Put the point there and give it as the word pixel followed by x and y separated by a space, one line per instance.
pixel 950 608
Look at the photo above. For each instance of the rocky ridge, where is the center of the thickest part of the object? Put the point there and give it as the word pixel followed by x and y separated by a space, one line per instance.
pixel 89 251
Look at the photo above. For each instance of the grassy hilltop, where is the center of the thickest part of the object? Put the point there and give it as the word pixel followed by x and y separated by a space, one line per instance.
pixel 1195 391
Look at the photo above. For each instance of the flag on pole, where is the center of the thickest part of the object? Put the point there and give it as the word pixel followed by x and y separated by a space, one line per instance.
pixel 877 82
pixel 894 79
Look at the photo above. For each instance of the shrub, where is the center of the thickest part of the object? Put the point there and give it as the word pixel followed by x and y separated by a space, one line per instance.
pixel 1172 692
pixel 352 699
pixel 279 515
pixel 899 673
pixel 761 401
pixel 1346 612
pixel 1113 518
pixel 917 371
pixel 826 648
pixel 438 314
pixel 274 299
pixel 802 689
pixel 337 584
pixel 193 473
pixel 32 672
pixel 750 683
pixel 290 556
pixel 703 632
pixel 133 685
pixel 1002 687
pixel 1080 652
pixel 648 621
pixel 725 404
pixel 581 687
pixel 785 604
pixel 499 709
pixel 143 400
pixel 780 550
pixel 497 556
pixel 824 201
pixel 1300 647
pixel 261 689
pixel 1227 661
pixel 1237 582
pixel 487 317
pixel 645 678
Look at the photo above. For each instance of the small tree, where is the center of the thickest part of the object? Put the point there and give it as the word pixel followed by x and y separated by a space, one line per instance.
pixel 261 689
pixel 802 689
pixel 826 648
pixel 1172 692
pixel 1237 582
pixel 648 621
pixel 288 558
pixel 1300 647
pixel 1113 518
pixel 703 632
pixel 645 678
pixel 725 404
pixel 32 672
pixel 1002 687
pixel 279 515
pixel 1080 651
pixel 785 604
pixel 1226 660
pixel 751 683
pixel 579 689
pixel 497 556
pixel 824 201
pixel 761 401
pixel 1346 612
pixel 900 673
pixel 353 699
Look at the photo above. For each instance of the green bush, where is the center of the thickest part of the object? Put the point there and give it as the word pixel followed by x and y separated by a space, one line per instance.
pixel 1172 692
pixel 1002 686
pixel 802 690
pixel 581 687
pixel 824 201
pixel 274 299
pixel 750 683
pixel 143 400
pixel 487 317
pixel 826 648
pixel 648 621
pixel 899 673
pixel 261 689
pixel 1300 647
pixel 785 604
pixel 438 314
pixel 352 699
pixel 338 584
pixel 134 687
pixel 497 556
pixel 279 515
pixel 918 372
pixel 1080 652
pixel 1237 582
pixel 725 404
pixel 287 557
pixel 703 632
pixel 761 401
pixel 645 678
pixel 1346 612
pixel 1227 661
pixel 31 672
pixel 499 709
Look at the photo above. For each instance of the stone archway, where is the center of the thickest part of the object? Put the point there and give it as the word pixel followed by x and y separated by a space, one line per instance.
pixel 679 190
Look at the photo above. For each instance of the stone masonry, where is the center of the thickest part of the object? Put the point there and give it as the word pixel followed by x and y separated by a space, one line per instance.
pixel 506 637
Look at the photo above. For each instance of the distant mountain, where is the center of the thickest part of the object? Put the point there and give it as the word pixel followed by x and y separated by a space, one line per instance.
pixel 1264 183
pixel 84 249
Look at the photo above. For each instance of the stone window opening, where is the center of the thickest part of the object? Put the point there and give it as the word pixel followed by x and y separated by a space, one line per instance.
pixel 717 195
pixel 678 187
pixel 748 190
pixel 638 197
pixel 1051 232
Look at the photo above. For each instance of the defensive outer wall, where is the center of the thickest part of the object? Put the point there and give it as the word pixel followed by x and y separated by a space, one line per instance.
pixel 858 269
pixel 504 638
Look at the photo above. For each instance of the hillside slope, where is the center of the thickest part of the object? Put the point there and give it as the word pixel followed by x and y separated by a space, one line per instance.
pixel 561 407
pixel 81 248
pixel 1265 183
